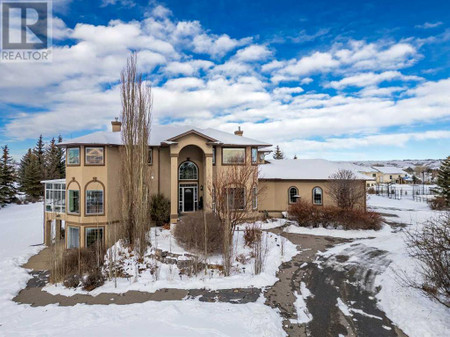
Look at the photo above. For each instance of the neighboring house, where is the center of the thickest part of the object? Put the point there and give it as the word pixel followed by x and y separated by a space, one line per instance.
pixel 389 174
pixel 283 182
pixel 183 162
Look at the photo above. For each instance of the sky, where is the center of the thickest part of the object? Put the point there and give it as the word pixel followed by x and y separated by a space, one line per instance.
pixel 340 80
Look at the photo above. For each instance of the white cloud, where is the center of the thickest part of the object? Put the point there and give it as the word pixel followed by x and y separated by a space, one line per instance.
pixel 253 53
pixel 371 79
pixel 216 46
pixel 428 25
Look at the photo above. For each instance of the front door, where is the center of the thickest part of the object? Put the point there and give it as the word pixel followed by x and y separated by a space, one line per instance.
pixel 188 199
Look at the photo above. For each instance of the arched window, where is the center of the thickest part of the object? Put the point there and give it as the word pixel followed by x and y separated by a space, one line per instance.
pixel 293 194
pixel 317 196
pixel 188 171
pixel 95 198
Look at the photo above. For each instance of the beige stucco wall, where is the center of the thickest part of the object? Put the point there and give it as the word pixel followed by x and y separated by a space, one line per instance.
pixel 274 196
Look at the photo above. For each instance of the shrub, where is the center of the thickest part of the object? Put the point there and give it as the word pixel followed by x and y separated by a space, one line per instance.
pixel 438 203
pixel 371 190
pixel 73 266
pixel 252 234
pixel 308 215
pixel 190 233
pixel 160 209
pixel 431 246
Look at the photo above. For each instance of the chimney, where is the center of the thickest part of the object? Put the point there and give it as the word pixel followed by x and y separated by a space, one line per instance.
pixel 116 125
pixel 239 132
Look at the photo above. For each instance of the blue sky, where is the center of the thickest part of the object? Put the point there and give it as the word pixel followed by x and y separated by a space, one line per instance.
pixel 344 80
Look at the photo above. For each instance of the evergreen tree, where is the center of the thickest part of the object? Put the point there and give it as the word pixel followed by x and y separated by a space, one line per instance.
pixel 39 152
pixel 278 153
pixel 443 180
pixel 61 160
pixel 54 161
pixel 295 156
pixel 7 178
pixel 30 175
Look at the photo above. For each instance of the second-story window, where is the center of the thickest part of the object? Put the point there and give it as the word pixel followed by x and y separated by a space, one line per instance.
pixel 233 155
pixel 74 202
pixel 94 156
pixel 150 156
pixel 254 155
pixel 73 156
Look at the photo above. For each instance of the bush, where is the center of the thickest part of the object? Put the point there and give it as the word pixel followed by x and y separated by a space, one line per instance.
pixel 439 203
pixel 190 233
pixel 252 234
pixel 73 266
pixel 308 215
pixel 160 209
pixel 371 190
pixel 431 246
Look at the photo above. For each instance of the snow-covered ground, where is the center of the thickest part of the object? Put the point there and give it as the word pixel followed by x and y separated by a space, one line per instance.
pixel 275 250
pixel 415 314
pixel 21 227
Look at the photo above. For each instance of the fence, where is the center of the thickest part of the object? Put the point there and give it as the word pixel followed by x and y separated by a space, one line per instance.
pixel 420 193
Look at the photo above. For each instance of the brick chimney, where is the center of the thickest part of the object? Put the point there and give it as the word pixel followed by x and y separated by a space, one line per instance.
pixel 116 125
pixel 239 132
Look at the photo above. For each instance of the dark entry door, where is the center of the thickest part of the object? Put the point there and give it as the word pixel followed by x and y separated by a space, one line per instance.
pixel 188 199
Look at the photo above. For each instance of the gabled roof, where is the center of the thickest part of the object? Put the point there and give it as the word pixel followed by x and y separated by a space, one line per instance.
pixel 306 169
pixel 166 134
pixel 389 169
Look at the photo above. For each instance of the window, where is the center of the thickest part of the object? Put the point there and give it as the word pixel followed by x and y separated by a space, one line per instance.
pixel 390 177
pixel 73 156
pixel 188 171
pixel 55 197
pixel 94 156
pixel 317 196
pixel 150 156
pixel 374 175
pixel 214 155
pixel 94 235
pixel 94 202
pixel 293 195
pixel 235 155
pixel 254 155
pixel 73 237
pixel 255 198
pixel 74 202
pixel 236 198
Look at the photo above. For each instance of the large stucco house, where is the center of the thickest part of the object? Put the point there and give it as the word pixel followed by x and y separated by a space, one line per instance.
pixel 183 162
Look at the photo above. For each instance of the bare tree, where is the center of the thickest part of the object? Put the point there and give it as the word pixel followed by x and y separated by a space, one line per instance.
pixel 431 247
pixel 345 189
pixel 234 191
pixel 136 116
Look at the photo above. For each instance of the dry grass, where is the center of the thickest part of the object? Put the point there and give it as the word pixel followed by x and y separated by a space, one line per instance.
pixel 252 234
pixel 190 233
pixel 308 215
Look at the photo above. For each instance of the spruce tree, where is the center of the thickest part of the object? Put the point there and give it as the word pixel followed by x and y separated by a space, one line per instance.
pixel 30 175
pixel 7 178
pixel 443 180
pixel 278 153
pixel 54 161
pixel 39 152
pixel 61 160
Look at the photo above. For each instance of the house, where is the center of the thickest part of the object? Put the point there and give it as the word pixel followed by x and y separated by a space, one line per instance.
pixel 183 161
pixel 283 182
pixel 389 174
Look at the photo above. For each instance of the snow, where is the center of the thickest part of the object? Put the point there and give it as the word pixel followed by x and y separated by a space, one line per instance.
pixel 415 314
pixel 338 233
pixel 303 314
pixel 275 248
pixel 306 169
pixel 162 133
pixel 21 227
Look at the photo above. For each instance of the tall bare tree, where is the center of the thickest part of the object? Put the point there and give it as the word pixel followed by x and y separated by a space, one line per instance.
pixel 136 118
pixel 235 192
pixel 346 190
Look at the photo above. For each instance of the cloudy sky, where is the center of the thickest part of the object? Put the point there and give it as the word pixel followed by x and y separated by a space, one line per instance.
pixel 346 80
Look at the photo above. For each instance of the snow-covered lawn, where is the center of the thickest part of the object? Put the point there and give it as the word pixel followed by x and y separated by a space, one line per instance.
pixel 415 314
pixel 21 227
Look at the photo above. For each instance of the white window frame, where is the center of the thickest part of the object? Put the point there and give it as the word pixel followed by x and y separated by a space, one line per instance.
pixel 289 194
pixel 103 203
pixel 321 195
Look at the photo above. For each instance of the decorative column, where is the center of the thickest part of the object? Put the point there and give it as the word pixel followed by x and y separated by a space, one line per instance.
pixel 207 188
pixel 173 187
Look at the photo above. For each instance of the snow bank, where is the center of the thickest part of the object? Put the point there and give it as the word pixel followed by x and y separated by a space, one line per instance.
pixel 338 233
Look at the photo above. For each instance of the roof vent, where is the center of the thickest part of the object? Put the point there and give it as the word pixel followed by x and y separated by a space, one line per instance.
pixel 116 125
pixel 239 132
